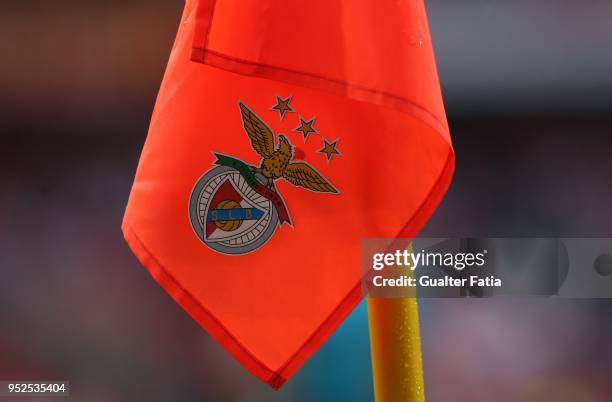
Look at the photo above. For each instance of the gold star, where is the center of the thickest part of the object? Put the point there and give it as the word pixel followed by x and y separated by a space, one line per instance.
pixel 282 106
pixel 329 149
pixel 306 128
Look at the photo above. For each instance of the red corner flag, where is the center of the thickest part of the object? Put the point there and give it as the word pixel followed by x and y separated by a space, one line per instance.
pixel 283 134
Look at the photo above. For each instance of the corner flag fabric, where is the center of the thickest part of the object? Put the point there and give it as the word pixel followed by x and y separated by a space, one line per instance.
pixel 284 133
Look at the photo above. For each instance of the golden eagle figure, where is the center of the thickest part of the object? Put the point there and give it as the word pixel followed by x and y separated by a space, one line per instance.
pixel 277 163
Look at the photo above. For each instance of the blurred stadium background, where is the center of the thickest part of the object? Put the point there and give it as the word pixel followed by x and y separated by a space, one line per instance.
pixel 528 90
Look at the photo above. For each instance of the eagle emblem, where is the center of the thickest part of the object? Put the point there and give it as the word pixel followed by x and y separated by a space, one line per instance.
pixel 276 162
pixel 235 208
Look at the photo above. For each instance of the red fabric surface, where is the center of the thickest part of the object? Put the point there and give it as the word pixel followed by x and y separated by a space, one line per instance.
pixel 365 72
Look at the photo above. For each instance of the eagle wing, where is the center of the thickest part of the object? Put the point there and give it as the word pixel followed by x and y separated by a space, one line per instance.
pixel 262 138
pixel 303 175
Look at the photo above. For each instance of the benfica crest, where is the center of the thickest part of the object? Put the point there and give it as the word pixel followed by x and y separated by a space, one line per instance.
pixel 235 208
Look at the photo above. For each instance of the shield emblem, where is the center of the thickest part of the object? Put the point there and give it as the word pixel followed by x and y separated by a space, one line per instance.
pixel 228 215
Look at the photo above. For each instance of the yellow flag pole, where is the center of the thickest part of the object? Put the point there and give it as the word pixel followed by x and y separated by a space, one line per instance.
pixel 395 344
